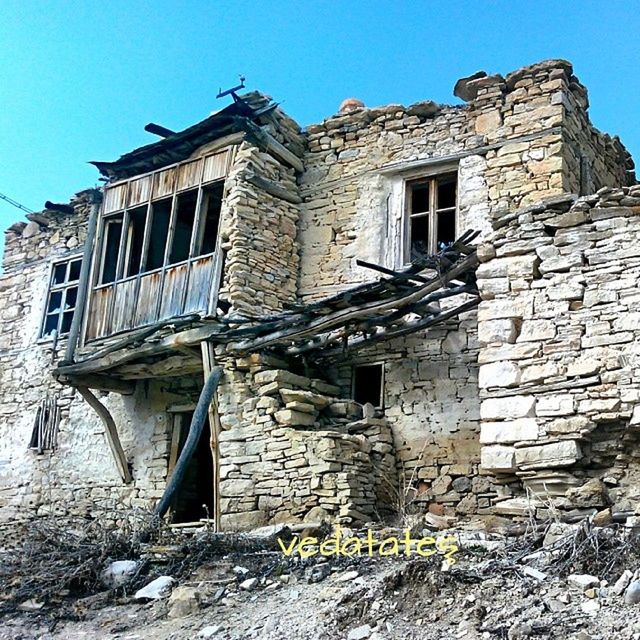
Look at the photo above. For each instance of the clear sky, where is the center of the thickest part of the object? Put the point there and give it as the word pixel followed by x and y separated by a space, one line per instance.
pixel 80 79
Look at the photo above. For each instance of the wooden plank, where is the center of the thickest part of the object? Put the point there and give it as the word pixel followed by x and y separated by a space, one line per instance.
pixel 208 360
pixel 101 382
pixel 201 271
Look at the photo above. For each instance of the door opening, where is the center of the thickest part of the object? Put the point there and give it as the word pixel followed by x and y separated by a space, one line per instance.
pixel 194 499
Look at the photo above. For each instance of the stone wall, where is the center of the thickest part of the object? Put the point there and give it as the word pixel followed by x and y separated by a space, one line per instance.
pixel 559 333
pixel 291 450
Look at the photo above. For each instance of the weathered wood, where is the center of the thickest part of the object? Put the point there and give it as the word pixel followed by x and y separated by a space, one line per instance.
pixel 83 283
pixel 265 140
pixel 324 323
pixel 272 188
pixel 111 432
pixel 208 359
pixel 101 383
pixel 165 368
pixel 190 445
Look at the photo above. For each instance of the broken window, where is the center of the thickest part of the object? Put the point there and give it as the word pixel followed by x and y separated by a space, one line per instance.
pixel 431 213
pixel 368 384
pixel 185 220
pixel 44 436
pixel 135 241
pixel 212 205
pixel 61 298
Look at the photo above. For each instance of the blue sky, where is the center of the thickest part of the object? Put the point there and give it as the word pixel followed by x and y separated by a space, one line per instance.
pixel 79 80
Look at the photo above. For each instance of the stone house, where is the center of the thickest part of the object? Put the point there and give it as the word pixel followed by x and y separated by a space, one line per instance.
pixel 248 246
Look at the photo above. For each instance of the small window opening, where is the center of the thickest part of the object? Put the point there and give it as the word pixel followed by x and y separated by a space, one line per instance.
pixel 113 233
pixel 368 384
pixel 431 207
pixel 135 240
pixel 213 205
pixel 161 216
pixel 185 216
pixel 62 298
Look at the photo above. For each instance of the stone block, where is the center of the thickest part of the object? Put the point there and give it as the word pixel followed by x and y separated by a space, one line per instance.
pixel 535 330
pixel 508 432
pixel 498 458
pixel 507 408
pixel 498 374
pixel 560 404
pixel 502 331
pixel 555 454
pixel 512 266
pixel 292 418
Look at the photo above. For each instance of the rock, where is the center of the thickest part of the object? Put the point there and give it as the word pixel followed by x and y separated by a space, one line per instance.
pixel 465 88
pixel 555 454
pixel 249 584
pixel 433 521
pixel 632 594
pixel 498 458
pixel 622 583
pixel 240 571
pixel 118 573
pixel 557 531
pixel 183 602
pixel 583 580
pixel 520 630
pixel 591 494
pixel 534 573
pixel 603 518
pixel 347 576
pixel 360 633
pixel 30 605
pixel 156 589
pixel 509 431
pixel 210 631
pixel 590 607
pixel 318 572
pixel 461 484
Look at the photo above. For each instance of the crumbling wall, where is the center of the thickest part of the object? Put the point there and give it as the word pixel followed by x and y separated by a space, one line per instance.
pixel 507 146
pixel 559 333
pixel 80 476
pixel 290 450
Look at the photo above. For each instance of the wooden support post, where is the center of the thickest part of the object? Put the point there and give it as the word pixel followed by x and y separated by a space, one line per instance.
pixel 112 432
pixel 208 358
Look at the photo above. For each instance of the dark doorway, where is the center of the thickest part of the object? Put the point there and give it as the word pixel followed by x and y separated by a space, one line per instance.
pixel 195 497
pixel 368 384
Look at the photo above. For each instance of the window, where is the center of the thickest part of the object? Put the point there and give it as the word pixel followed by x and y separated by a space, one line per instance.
pixel 62 297
pixel 161 233
pixel 431 214
pixel 368 383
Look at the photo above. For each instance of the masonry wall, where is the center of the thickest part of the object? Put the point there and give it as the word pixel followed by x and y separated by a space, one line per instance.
pixel 559 375
pixel 509 145
pixel 79 476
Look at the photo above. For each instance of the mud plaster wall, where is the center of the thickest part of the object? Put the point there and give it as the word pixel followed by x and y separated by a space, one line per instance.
pixel 559 359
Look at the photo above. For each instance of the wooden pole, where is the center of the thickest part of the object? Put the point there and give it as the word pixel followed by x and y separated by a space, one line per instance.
pixel 208 357
pixel 85 269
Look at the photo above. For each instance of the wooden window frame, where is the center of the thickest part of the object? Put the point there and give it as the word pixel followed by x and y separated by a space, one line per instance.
pixel 431 213
pixel 63 288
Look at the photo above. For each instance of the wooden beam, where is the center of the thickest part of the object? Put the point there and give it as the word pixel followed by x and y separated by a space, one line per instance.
pixel 265 140
pixel 272 188
pixel 208 359
pixel 100 382
pixel 111 432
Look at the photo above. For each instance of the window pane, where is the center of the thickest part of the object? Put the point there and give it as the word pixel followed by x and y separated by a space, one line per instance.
pixel 50 325
pixel 446 228
pixel 135 240
pixel 59 273
pixel 72 298
pixel 159 232
pixel 213 204
pixel 184 226
pixel 419 234
pixel 420 198
pixel 67 318
pixel 55 301
pixel 74 270
pixel 113 232
pixel 446 192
